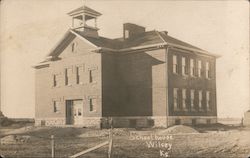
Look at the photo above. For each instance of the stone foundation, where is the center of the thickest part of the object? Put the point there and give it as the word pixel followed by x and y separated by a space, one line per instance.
pixel 132 122
pixel 191 120
pixel 86 122
pixel 50 121
pixel 91 122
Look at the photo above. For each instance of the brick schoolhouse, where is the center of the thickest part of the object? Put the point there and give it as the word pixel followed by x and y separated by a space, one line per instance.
pixel 145 78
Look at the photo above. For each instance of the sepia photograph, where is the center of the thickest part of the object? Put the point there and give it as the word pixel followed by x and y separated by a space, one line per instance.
pixel 124 79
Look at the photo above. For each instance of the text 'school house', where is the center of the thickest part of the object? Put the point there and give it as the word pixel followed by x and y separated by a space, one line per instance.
pixel 145 78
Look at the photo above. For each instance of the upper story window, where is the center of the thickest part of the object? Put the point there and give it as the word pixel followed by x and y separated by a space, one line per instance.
pixel 192 99
pixel 199 68
pixel 56 106
pixel 66 76
pixel 79 74
pixel 73 47
pixel 175 64
pixel 55 80
pixel 184 97
pixel 192 69
pixel 92 75
pixel 175 98
pixel 208 70
pixel 183 66
pixel 208 100
pixel 200 99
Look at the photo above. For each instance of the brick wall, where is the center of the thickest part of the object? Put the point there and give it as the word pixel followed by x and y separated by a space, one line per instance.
pixel 134 84
pixel 46 93
pixel 187 82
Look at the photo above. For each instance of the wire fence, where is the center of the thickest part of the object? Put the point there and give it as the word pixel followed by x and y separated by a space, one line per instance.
pixel 39 146
pixel 59 142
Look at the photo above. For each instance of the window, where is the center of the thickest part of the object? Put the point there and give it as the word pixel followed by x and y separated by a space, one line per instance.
pixel 192 99
pixel 175 99
pixel 208 100
pixel 56 106
pixel 199 68
pixel 177 121
pixel 92 75
pixel 192 70
pixel 183 66
pixel 55 80
pixel 79 73
pixel 126 34
pixel 184 106
pixel 175 65
pixel 200 100
pixel 66 76
pixel 92 104
pixel 207 70
pixel 73 47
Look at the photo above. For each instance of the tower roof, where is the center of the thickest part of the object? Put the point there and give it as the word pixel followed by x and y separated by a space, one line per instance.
pixel 84 9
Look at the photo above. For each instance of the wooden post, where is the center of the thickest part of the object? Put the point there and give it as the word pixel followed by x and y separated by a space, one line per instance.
pixel 52 146
pixel 110 138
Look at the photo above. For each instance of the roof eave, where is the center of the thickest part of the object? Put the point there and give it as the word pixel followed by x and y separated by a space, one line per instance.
pixel 194 50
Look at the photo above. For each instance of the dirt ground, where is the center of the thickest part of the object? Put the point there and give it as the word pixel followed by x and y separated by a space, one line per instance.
pixel 212 141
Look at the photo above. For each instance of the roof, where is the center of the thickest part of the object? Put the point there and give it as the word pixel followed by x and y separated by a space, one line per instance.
pixel 143 40
pixel 173 40
pixel 84 9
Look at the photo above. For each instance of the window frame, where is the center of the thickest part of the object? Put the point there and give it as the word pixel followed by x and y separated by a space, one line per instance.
pixel 192 99
pixel 207 71
pixel 200 97
pixel 175 64
pixel 184 66
pixel 175 99
pixel 192 67
pixel 56 106
pixel 199 67
pixel 184 99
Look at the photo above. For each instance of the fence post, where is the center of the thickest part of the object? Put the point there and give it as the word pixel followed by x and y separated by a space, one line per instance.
pixel 110 138
pixel 52 146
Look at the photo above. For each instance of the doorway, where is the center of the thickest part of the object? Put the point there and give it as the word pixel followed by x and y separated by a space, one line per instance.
pixel 74 112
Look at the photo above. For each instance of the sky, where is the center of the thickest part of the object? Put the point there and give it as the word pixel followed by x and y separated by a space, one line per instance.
pixel 30 29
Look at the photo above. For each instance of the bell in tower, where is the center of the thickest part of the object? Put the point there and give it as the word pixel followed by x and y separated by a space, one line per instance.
pixel 84 20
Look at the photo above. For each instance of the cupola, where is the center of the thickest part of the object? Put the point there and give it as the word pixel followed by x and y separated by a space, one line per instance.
pixel 84 20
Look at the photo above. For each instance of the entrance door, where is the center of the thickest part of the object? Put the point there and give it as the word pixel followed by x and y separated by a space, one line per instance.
pixel 74 112
pixel 77 111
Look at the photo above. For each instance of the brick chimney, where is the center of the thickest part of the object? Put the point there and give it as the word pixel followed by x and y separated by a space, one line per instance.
pixel 131 30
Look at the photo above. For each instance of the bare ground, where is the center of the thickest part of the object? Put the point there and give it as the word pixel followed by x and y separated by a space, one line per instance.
pixel 213 141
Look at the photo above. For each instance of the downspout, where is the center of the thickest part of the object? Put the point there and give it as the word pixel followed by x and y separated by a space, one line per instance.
pixel 166 76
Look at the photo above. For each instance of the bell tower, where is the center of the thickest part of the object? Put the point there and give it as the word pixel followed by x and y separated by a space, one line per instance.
pixel 84 20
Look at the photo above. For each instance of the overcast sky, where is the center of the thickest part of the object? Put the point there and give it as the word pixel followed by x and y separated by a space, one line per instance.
pixel 30 28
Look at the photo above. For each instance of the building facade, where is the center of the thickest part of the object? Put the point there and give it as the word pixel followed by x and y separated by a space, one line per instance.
pixel 145 78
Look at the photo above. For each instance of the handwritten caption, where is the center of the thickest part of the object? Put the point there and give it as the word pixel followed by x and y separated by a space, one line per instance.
pixel 154 140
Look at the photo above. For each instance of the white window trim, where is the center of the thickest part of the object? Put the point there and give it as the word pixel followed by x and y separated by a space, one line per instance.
pixel 175 64
pixel 199 68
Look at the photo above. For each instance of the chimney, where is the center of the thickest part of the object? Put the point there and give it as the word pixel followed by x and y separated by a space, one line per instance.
pixel 131 30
